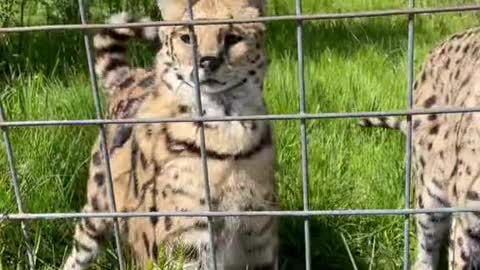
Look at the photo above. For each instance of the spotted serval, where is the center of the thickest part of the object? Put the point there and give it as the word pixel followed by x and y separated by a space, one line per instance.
pixel 446 147
pixel 157 167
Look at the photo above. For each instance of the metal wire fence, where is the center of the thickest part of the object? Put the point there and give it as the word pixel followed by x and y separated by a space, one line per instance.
pixel 22 216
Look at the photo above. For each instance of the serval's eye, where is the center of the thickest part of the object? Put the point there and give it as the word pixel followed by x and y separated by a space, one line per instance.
pixel 232 39
pixel 185 38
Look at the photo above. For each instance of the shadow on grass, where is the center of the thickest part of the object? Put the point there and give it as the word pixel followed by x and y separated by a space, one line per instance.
pixel 328 250
pixel 341 37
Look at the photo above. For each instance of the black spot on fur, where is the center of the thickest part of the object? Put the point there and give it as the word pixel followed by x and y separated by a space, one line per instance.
pixel 465 81
pixel 429 146
pixel 439 199
pixel 113 33
pixel 252 72
pixel 460 241
pixel 454 190
pixel 126 82
pixel 147 82
pixel 473 235
pixel 193 148
pixel 416 123
pixel 447 63
pixel 97 159
pixel 457 74
pixel 183 108
pixel 201 225
pixel 472 195
pixel 154 219
pixel 455 169
pixel 429 102
pixel 423 77
pixel 155 250
pixel 143 160
pixel 94 203
pixel 434 130
pixel 427 249
pixel 114 63
pixel 117 48
pixel 146 243
pixel 99 178
pixel 422 161
pixel 80 246
pixel 122 135
pixel 168 223
pixel 148 131
pixel 202 201
pixel 475 50
pixel 437 183
pixel 420 202
pixel 432 117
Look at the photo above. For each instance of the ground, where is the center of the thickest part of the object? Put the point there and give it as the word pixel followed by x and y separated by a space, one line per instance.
pixel 351 66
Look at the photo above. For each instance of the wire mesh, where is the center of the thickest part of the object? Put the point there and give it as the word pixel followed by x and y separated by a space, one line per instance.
pixel 22 216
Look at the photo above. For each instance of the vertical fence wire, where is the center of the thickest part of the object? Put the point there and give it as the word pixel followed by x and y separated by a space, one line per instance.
pixel 408 165
pixel 103 136
pixel 16 188
pixel 203 152
pixel 303 131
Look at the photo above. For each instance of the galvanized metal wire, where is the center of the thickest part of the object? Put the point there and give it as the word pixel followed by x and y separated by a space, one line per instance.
pixel 266 19
pixel 23 217
pixel 408 139
pixel 303 133
pixel 203 152
pixel 103 137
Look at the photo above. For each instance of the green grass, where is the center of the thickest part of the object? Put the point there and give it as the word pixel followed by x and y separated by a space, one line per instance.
pixel 351 66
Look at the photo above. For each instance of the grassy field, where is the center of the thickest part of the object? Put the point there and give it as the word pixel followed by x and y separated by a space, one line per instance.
pixel 355 65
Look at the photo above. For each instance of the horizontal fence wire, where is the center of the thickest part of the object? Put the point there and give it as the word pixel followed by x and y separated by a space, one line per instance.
pixel 286 213
pixel 270 117
pixel 266 19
